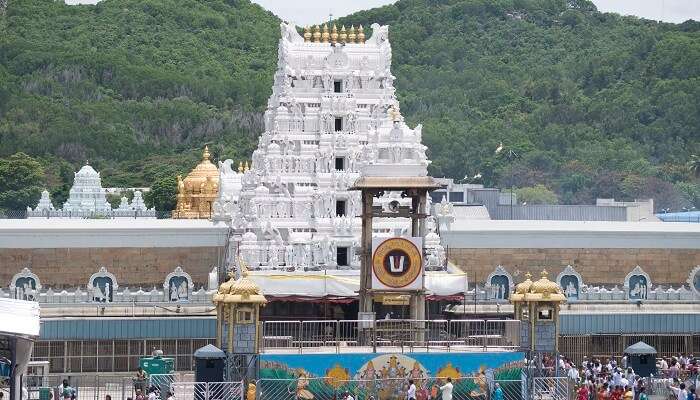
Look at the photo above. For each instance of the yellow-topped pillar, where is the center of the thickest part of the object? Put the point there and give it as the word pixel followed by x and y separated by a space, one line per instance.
pixel 536 305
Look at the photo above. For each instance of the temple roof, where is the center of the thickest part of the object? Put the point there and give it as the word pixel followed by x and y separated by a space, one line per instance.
pixel 87 171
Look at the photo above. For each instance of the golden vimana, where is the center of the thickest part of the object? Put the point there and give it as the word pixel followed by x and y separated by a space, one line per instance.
pixel 322 35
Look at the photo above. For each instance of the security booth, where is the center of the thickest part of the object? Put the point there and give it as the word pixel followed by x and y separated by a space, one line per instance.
pixel 642 358
pixel 209 364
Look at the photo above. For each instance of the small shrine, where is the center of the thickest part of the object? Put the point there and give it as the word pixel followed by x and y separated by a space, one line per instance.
pixel 537 304
pixel 198 191
pixel 87 199
pixel 238 303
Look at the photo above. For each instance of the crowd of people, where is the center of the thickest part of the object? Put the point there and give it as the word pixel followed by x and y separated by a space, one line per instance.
pixel 597 379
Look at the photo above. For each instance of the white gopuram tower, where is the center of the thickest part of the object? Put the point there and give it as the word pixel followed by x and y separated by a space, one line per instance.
pixel 86 194
pixel 332 115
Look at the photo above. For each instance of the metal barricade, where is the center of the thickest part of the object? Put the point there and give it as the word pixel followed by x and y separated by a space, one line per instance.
pixel 347 335
pixel 281 334
pixel 504 334
pixel 468 333
pixel 317 334
pixel 511 389
pixel 551 388
pixel 391 335
pixel 85 386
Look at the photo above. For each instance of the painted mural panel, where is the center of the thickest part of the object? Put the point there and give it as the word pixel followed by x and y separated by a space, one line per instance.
pixel 384 376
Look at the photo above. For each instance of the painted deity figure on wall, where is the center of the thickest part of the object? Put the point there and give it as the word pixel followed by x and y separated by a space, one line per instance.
pixel 638 287
pixel 178 288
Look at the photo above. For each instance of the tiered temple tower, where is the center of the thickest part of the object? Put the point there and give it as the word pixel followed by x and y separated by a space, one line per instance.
pixel 332 112
pixel 87 194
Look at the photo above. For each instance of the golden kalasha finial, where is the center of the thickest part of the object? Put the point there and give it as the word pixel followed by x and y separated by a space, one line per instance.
pixel 325 35
pixel 343 37
pixel 317 34
pixel 307 34
pixel 360 35
pixel 206 155
pixel 351 34
pixel 240 166
pixel 247 166
pixel 334 34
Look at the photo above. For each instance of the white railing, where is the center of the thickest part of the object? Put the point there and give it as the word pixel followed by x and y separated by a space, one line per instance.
pixel 347 335
pixel 188 390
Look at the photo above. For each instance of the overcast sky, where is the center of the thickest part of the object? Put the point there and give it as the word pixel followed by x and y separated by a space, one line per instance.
pixel 305 12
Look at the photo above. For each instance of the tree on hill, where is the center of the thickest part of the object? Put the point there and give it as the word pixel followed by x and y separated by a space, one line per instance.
pixel 163 194
pixel 537 194
pixel 589 99
pixel 21 182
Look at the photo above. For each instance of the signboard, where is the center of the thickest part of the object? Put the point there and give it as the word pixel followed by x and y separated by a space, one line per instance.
pixel 397 263
pixel 397 300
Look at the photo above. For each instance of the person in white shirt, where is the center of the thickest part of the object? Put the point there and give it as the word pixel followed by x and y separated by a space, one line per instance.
pixel 617 377
pixel 411 394
pixel 573 374
pixel 348 396
pixel 663 365
pixel 624 382
pixel 446 390
pixel 680 392
pixel 171 396
pixel 152 394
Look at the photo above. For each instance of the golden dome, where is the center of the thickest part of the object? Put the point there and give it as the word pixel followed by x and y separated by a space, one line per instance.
pixel 543 290
pixel 544 286
pixel 204 169
pixel 524 286
pixel 241 290
pixel 197 192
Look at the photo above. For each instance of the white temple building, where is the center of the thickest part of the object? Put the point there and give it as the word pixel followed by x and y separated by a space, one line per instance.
pixel 87 199
pixel 332 116
pixel 87 193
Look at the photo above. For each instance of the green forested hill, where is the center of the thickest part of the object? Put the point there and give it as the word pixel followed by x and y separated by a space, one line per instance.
pixel 134 86
pixel 595 105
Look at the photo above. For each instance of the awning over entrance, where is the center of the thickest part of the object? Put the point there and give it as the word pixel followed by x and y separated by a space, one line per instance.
pixel 337 285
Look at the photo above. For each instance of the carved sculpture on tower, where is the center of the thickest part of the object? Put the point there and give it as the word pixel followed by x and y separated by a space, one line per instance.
pixel 197 192
pixel 332 113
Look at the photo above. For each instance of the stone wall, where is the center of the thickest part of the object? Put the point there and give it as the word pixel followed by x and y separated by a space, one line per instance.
pixel 134 267
pixel 597 266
